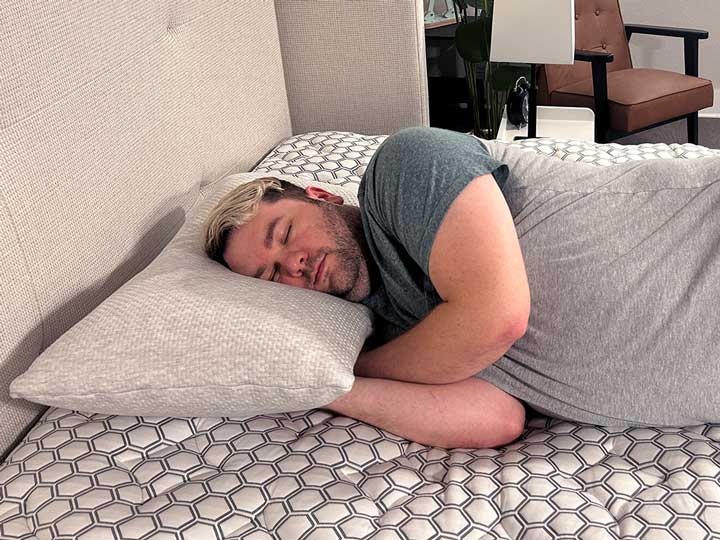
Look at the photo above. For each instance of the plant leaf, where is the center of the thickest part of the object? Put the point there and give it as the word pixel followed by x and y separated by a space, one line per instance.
pixel 471 40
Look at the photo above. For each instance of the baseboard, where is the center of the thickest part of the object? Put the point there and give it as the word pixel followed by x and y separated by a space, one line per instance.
pixel 709 114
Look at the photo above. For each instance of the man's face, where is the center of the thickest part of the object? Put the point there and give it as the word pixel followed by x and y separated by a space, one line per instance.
pixel 313 246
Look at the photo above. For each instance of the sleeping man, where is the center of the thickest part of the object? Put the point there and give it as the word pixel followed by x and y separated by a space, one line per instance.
pixel 447 248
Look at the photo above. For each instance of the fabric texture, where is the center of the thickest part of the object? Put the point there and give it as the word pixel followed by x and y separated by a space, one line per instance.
pixel 604 155
pixel 112 116
pixel 641 97
pixel 365 71
pixel 637 98
pixel 316 475
pixel 84 476
pixel 407 189
pixel 336 157
pixel 623 264
pixel 188 337
pixel 599 27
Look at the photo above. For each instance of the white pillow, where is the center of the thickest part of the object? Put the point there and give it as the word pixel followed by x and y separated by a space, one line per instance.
pixel 188 337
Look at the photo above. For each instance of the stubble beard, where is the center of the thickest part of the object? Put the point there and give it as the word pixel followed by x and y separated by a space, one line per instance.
pixel 345 226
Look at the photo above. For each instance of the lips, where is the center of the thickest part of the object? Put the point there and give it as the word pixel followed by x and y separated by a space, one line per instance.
pixel 320 268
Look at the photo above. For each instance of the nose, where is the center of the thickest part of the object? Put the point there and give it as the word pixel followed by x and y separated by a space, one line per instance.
pixel 296 262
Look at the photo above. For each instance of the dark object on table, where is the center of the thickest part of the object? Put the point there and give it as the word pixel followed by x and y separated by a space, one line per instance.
pixel 517 103
pixel 625 99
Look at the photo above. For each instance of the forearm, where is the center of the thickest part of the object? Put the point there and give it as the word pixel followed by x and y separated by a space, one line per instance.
pixel 467 414
pixel 451 344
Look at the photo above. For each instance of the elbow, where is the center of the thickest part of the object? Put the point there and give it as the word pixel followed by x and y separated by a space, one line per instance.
pixel 519 315
pixel 518 327
pixel 513 317
pixel 501 431
pixel 511 425
pixel 514 327
pixel 509 428
pixel 516 424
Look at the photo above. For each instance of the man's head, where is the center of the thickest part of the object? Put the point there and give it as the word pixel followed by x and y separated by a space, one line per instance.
pixel 274 230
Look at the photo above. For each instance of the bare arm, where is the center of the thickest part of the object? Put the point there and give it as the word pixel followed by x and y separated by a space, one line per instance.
pixel 477 268
pixel 467 414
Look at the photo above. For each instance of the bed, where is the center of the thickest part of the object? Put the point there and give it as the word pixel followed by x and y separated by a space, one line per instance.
pixel 128 110
pixel 313 474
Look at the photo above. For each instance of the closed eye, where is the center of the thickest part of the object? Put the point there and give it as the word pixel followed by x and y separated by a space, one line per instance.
pixel 275 267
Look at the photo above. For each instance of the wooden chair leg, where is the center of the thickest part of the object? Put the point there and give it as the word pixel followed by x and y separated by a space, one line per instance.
pixel 600 134
pixel 692 128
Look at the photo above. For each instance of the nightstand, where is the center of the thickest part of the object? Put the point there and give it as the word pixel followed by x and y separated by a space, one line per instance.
pixel 556 122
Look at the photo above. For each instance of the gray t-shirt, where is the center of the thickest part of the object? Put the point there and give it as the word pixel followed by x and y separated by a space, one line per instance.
pixel 623 264
pixel 407 189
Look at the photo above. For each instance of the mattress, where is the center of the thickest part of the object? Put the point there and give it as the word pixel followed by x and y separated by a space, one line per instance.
pixel 316 475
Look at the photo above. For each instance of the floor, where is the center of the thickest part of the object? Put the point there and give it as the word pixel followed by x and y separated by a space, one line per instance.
pixel 709 134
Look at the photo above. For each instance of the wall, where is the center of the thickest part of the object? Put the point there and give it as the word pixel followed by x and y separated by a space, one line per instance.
pixel 667 53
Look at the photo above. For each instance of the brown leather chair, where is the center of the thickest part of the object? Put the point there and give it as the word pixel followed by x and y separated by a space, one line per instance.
pixel 625 99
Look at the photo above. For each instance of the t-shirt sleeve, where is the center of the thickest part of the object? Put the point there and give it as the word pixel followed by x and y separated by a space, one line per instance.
pixel 415 176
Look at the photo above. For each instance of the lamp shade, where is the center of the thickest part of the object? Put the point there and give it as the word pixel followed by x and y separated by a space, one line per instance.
pixel 533 31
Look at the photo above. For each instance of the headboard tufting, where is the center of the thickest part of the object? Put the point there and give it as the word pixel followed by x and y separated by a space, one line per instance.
pixel 113 115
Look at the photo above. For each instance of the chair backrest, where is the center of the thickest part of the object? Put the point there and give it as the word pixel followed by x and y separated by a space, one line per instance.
pixel 599 26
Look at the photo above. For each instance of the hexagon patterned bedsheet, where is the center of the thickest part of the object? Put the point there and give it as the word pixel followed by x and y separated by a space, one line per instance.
pixel 314 475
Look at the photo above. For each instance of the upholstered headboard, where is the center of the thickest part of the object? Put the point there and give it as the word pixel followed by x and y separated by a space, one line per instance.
pixel 113 115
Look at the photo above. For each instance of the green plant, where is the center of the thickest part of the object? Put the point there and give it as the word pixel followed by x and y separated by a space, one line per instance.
pixel 472 41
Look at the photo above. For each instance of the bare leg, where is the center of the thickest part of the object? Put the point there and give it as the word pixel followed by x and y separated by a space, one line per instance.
pixel 467 414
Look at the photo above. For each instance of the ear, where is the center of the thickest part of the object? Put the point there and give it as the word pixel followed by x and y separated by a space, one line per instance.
pixel 321 195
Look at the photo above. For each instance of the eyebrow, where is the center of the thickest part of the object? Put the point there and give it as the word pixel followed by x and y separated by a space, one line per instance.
pixel 268 242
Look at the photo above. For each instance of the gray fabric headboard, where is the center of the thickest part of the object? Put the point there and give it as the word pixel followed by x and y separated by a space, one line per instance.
pixel 113 115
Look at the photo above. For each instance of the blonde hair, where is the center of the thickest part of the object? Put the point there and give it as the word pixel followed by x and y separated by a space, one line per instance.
pixel 241 205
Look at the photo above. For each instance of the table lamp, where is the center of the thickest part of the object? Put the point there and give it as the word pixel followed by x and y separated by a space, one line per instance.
pixel 533 32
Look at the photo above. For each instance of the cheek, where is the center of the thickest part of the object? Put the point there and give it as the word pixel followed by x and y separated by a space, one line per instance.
pixel 230 260
pixel 320 235
pixel 238 261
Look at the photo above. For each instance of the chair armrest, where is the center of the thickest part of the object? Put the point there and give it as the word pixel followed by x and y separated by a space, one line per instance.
pixel 594 56
pixel 690 37
pixel 631 29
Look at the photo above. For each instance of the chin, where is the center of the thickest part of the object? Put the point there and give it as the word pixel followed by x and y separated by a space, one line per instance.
pixel 357 295
pixel 361 290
